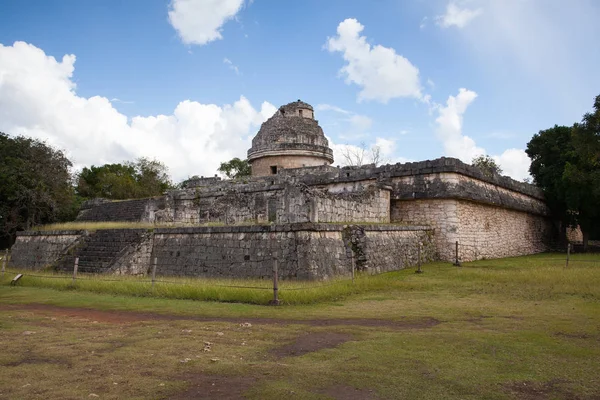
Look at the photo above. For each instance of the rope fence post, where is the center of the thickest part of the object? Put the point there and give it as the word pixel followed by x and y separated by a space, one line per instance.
pixel 275 301
pixel 4 260
pixel 75 266
pixel 419 270
pixel 353 264
pixel 568 255
pixel 154 271
pixel 456 262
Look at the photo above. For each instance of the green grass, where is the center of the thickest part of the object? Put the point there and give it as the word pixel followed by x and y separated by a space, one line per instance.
pixel 514 328
pixel 534 277
pixel 252 291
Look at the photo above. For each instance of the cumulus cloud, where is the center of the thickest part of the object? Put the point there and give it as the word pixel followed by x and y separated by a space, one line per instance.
pixel 514 162
pixel 457 16
pixel 38 98
pixel 201 21
pixel 379 71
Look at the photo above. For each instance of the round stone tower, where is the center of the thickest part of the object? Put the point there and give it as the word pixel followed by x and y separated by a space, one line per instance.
pixel 291 138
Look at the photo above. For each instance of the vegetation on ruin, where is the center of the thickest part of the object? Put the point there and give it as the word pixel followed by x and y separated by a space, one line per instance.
pixel 487 165
pixel 236 168
pixel 565 163
pixel 129 180
pixel 523 327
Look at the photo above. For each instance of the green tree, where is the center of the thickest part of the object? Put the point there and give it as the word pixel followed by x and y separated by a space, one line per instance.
pixel 565 163
pixel 129 180
pixel 35 185
pixel 582 174
pixel 487 165
pixel 235 168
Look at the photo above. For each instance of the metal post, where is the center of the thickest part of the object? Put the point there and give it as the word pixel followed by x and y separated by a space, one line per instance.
pixel 75 266
pixel 568 254
pixel 4 261
pixel 275 284
pixel 419 270
pixel 153 271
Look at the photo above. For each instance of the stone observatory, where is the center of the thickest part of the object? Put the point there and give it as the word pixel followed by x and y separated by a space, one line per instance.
pixel 291 138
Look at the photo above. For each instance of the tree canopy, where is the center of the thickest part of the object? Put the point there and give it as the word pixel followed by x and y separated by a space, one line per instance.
pixel 235 168
pixel 36 186
pixel 129 180
pixel 487 165
pixel 565 163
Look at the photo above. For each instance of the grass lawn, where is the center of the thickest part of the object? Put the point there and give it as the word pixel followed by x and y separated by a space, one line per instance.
pixel 518 328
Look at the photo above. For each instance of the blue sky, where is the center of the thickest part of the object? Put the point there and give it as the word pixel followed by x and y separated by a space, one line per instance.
pixel 189 81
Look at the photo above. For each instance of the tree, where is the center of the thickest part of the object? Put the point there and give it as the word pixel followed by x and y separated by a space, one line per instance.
pixel 235 168
pixel 565 163
pixel 487 165
pixel 129 180
pixel 35 185
pixel 357 156
pixel 581 175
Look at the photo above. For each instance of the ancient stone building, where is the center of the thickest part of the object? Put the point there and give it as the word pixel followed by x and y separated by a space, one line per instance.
pixel 292 138
pixel 318 220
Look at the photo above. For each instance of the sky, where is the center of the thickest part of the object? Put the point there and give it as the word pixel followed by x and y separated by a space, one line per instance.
pixel 189 82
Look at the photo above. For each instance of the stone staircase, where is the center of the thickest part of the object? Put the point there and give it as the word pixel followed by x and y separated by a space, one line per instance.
pixel 99 251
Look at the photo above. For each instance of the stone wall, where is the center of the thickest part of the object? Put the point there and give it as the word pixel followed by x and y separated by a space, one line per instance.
pixel 38 250
pixel 262 166
pixel 482 230
pixel 304 251
pixel 126 210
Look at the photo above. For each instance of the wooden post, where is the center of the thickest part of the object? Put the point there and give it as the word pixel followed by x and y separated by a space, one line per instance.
pixel 4 261
pixel 353 264
pixel 456 262
pixel 419 270
pixel 75 266
pixel 153 271
pixel 275 284
pixel 568 254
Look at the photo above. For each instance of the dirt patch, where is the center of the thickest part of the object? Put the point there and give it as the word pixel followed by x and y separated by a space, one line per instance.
pixel 215 387
pixel 528 390
pixel 310 342
pixel 575 335
pixel 38 360
pixel 125 317
pixel 344 392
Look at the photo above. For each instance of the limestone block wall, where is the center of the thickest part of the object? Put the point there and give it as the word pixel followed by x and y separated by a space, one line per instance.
pixel 262 166
pixel 38 250
pixel 440 214
pixel 482 230
pixel 303 251
pixel 493 232
pixel 138 210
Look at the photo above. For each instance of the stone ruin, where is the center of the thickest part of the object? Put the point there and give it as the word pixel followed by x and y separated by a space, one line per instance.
pixel 318 220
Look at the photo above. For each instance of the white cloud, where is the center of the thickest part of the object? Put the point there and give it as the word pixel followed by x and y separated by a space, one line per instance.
pixel 379 71
pixel 457 16
pixel 38 98
pixel 201 21
pixel 514 162
pixel 423 23
pixel 361 122
pixel 329 107
pixel 231 66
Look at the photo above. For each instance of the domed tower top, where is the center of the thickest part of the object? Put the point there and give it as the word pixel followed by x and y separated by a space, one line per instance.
pixel 291 138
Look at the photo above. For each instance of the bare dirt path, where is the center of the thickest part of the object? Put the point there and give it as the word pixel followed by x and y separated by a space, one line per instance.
pixel 123 317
